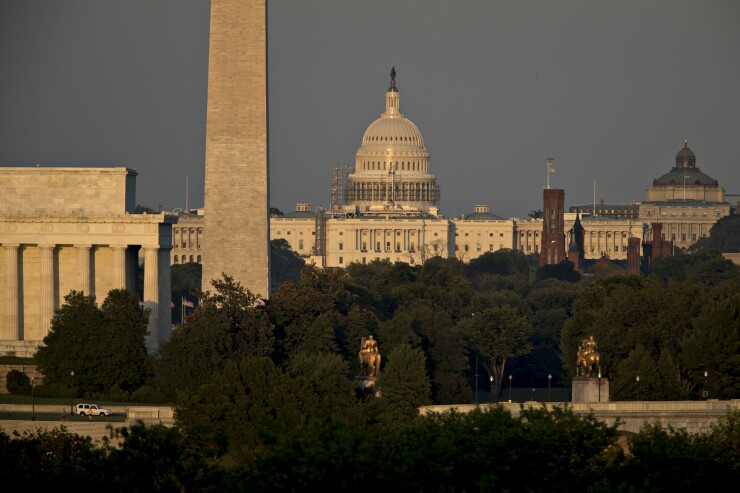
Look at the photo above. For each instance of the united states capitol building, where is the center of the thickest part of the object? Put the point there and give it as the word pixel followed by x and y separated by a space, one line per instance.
pixel 387 208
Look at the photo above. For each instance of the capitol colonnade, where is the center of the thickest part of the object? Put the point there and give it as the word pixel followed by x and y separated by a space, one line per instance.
pixel 67 240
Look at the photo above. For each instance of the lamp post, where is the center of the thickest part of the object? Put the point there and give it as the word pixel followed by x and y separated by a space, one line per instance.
pixel 71 381
pixel 491 379
pixel 706 391
pixel 549 381
pixel 533 394
pixel 599 385
pixel 510 377
pixel 33 403
pixel 476 378
pixel 637 379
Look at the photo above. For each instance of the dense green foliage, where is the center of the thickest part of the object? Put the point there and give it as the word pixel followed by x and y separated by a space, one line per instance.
pixel 484 450
pixel 104 346
pixel 266 397
pixel 724 236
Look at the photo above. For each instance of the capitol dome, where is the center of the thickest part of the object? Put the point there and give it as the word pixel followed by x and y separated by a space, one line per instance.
pixel 392 164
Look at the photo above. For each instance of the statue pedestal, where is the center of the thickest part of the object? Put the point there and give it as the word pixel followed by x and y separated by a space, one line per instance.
pixel 364 382
pixel 590 389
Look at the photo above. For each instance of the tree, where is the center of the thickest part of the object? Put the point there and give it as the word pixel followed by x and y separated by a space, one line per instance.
pixel 724 236
pixel 142 209
pixel 228 324
pixel 703 266
pixel 714 346
pixel 105 347
pixel 285 264
pixel 497 335
pixel 404 385
pixel 186 282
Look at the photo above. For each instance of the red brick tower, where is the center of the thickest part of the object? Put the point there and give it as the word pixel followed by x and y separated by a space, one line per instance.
pixel 553 225
pixel 633 255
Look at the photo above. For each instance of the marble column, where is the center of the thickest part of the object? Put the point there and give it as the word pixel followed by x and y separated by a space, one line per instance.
pixel 119 266
pixel 46 291
pixel 10 295
pixel 151 295
pixel 83 268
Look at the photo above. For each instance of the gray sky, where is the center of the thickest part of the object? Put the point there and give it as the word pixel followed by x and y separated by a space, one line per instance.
pixel 609 89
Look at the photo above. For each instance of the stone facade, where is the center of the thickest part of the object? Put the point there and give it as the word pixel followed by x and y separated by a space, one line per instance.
pixel 68 237
pixel 236 176
pixel 187 238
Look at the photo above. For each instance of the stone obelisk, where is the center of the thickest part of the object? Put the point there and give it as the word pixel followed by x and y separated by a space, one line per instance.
pixel 236 199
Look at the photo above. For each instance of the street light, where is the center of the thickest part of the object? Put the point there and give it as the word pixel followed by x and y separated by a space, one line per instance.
pixel 532 393
pixel 491 379
pixel 637 378
pixel 476 378
pixel 706 391
pixel 549 381
pixel 33 403
pixel 510 377
pixel 599 385
pixel 71 381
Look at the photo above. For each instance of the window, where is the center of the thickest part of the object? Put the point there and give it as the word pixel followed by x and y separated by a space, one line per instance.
pixel 341 246
pixel 490 247
pixel 501 235
pixel 175 259
pixel 300 244
pixel 341 260
pixel 467 248
pixel 478 247
pixel 198 258
pixel 490 234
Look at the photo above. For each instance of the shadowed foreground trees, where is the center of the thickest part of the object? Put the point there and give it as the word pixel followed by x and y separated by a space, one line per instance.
pixel 480 451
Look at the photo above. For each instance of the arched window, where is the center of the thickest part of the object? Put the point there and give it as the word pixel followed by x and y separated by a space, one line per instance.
pixel 175 261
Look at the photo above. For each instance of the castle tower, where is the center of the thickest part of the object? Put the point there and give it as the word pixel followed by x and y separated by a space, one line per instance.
pixel 553 224
pixel 236 180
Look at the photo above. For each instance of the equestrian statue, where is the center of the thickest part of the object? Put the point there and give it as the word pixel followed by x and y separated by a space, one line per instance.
pixel 587 359
pixel 369 357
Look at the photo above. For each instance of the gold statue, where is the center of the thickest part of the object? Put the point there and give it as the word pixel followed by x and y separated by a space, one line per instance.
pixel 587 358
pixel 369 357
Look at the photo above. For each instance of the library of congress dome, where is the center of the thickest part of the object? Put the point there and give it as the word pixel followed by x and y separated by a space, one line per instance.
pixel 392 164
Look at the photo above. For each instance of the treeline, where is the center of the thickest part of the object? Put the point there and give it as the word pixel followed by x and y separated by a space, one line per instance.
pixel 494 317
pixel 481 451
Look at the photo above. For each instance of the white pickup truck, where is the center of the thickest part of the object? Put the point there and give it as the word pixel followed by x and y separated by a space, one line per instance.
pixel 92 409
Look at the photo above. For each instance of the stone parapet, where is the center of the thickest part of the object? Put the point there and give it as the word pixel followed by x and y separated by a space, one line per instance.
pixel 692 416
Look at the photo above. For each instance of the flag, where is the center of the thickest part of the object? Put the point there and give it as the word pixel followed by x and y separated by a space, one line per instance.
pixel 187 303
pixel 550 166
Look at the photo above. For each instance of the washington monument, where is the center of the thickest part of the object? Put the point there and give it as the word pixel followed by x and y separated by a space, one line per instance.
pixel 236 198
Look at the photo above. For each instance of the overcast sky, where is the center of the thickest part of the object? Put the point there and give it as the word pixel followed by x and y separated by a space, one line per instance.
pixel 608 89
